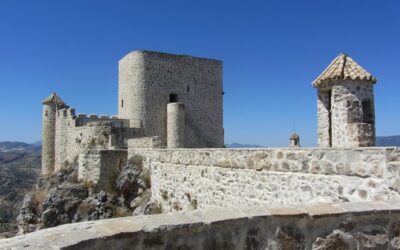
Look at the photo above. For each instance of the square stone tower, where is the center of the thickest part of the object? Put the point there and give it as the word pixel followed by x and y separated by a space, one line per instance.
pixel 346 114
pixel 149 81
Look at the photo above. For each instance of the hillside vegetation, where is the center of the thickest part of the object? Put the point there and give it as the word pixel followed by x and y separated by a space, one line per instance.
pixel 19 169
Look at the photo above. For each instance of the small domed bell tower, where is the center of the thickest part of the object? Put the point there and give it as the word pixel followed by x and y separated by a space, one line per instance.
pixel 294 141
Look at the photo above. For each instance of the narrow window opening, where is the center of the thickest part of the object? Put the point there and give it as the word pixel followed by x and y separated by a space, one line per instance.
pixel 173 98
pixel 45 113
pixel 122 103
pixel 354 114
pixel 187 89
pixel 367 112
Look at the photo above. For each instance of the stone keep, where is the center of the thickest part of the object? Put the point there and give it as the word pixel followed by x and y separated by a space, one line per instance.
pixel 165 100
pixel 148 81
pixel 346 115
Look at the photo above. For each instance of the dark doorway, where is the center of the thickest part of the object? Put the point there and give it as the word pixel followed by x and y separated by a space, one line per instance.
pixel 368 113
pixel 173 98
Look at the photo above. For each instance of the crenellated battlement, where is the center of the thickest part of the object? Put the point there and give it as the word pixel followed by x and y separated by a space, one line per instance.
pixel 66 112
pixel 84 119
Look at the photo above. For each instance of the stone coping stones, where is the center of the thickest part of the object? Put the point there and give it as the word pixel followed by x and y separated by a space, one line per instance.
pixel 168 227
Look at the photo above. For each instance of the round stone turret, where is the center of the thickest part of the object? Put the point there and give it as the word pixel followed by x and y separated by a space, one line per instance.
pixel 50 106
pixel 346 114
pixel 176 125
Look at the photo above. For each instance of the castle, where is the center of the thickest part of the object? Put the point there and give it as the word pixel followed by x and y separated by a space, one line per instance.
pixel 170 114
pixel 164 101
pixel 343 194
pixel 176 101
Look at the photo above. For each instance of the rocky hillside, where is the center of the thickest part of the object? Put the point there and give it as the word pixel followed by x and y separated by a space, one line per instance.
pixel 61 198
pixel 19 168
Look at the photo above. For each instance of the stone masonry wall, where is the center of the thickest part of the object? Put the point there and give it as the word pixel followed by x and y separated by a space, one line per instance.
pixel 344 119
pixel 48 137
pixel 345 226
pixel 75 134
pixel 100 168
pixel 348 128
pixel 146 142
pixel 146 81
pixel 185 179
pixel 347 115
pixel 324 129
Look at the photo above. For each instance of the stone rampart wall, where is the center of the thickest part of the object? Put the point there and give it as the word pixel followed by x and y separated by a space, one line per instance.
pixel 373 225
pixel 75 134
pixel 187 179
pixel 100 168
pixel 146 142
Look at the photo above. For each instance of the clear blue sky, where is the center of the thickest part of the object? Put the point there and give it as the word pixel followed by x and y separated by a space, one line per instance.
pixel 272 50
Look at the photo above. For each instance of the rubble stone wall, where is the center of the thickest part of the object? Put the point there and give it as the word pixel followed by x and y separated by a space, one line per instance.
pixel 346 114
pixel 370 225
pixel 350 127
pixel 188 179
pixel 71 139
pixel 324 120
pixel 146 142
pixel 100 168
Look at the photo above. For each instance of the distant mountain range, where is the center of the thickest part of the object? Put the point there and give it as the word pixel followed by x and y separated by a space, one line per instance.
pixel 381 141
pixel 20 154
pixel 239 145
pixel 17 146
pixel 20 165
pixel 387 141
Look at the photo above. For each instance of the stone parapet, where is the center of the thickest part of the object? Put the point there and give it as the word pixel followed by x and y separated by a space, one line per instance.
pixel 318 226
pixel 146 142
pixel 188 179
pixel 359 162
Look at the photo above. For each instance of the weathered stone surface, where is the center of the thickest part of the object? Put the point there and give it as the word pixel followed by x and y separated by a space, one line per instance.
pixel 186 179
pixel 195 82
pixel 337 240
pixel 224 229
pixel 372 242
pixel 61 203
pixel 101 168
pixel 289 238
pixel 323 210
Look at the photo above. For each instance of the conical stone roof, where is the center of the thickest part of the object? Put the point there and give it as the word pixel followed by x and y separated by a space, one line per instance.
pixel 343 67
pixel 54 98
